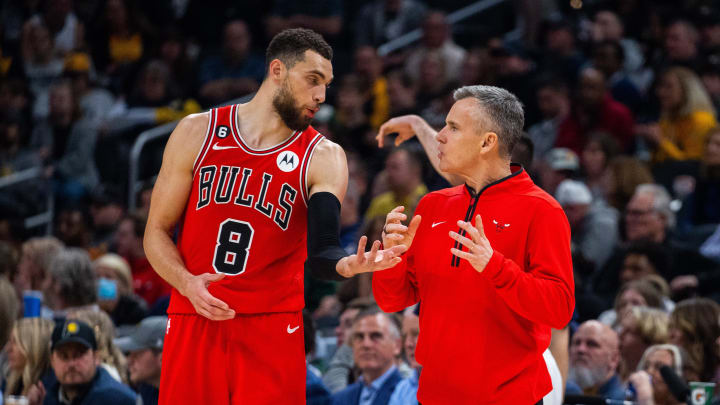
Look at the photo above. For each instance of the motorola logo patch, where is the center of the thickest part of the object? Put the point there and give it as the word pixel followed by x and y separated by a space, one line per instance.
pixel 287 161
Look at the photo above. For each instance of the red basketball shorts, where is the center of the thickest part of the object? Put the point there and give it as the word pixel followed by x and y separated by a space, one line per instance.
pixel 251 359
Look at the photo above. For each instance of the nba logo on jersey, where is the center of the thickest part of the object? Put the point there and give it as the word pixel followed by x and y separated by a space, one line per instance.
pixel 287 161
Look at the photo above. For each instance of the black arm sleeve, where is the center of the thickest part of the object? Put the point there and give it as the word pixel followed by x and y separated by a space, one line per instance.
pixel 323 236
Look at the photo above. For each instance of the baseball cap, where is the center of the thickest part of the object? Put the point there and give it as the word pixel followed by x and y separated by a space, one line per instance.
pixel 73 331
pixel 148 334
pixel 573 192
pixel 563 159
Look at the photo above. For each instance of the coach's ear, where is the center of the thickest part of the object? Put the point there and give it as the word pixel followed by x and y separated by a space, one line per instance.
pixel 489 141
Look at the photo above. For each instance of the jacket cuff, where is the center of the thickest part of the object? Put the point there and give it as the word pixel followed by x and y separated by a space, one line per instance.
pixel 493 268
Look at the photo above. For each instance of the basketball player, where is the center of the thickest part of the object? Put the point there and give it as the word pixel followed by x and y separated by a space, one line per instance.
pixel 249 185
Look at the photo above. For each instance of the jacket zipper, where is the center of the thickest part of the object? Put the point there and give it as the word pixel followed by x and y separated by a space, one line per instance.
pixel 455 261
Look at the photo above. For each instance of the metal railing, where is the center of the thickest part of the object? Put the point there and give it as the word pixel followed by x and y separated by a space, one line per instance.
pixel 134 181
pixel 31 174
pixel 452 18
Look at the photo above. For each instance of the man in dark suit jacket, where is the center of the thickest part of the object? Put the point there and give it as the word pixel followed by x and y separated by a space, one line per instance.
pixel 376 344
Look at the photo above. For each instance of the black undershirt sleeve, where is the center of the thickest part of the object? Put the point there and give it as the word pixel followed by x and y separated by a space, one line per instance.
pixel 323 236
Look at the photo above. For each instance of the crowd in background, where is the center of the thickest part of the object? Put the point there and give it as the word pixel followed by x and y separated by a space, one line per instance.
pixel 621 101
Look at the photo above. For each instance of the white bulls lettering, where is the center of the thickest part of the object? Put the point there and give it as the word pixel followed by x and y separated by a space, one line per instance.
pixel 230 183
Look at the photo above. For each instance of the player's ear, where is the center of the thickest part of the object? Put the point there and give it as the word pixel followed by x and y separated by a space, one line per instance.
pixel 276 70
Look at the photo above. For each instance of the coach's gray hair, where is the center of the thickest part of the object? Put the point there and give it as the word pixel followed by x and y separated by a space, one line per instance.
pixel 72 271
pixel 661 201
pixel 503 112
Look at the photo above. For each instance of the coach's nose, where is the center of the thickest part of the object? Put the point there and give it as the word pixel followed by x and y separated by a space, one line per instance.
pixel 441 136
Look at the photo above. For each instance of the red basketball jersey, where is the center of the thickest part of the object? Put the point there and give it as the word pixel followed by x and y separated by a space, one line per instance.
pixel 246 217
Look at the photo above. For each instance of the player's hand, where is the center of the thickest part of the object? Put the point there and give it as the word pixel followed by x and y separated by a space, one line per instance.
pixel 395 233
pixel 204 303
pixel 374 260
pixel 478 246
pixel 402 125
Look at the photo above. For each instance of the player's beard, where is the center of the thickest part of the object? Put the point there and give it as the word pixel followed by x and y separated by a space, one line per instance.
pixel 284 104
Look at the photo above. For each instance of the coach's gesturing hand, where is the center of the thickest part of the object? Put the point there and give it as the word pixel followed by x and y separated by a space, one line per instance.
pixel 374 260
pixel 478 246
pixel 395 233
pixel 195 290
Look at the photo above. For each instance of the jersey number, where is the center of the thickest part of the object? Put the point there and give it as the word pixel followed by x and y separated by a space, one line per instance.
pixel 232 248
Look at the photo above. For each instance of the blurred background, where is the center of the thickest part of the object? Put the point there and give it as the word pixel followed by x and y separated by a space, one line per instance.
pixel 621 100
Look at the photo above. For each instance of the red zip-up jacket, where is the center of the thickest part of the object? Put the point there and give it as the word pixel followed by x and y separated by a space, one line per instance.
pixel 482 335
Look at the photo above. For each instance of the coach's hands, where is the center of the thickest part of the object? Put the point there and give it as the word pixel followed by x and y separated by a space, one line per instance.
pixel 394 233
pixel 195 290
pixel 374 260
pixel 479 249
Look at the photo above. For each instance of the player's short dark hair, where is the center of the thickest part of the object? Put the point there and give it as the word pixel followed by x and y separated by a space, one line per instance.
pixel 289 46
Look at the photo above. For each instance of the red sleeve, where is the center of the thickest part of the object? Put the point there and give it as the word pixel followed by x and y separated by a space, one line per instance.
pixel 396 289
pixel 545 293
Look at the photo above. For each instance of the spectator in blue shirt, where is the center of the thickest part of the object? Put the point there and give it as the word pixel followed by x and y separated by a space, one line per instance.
pixel 406 391
pixel 375 340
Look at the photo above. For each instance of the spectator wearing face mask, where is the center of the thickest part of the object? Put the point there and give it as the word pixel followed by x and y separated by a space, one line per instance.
pixel 115 294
